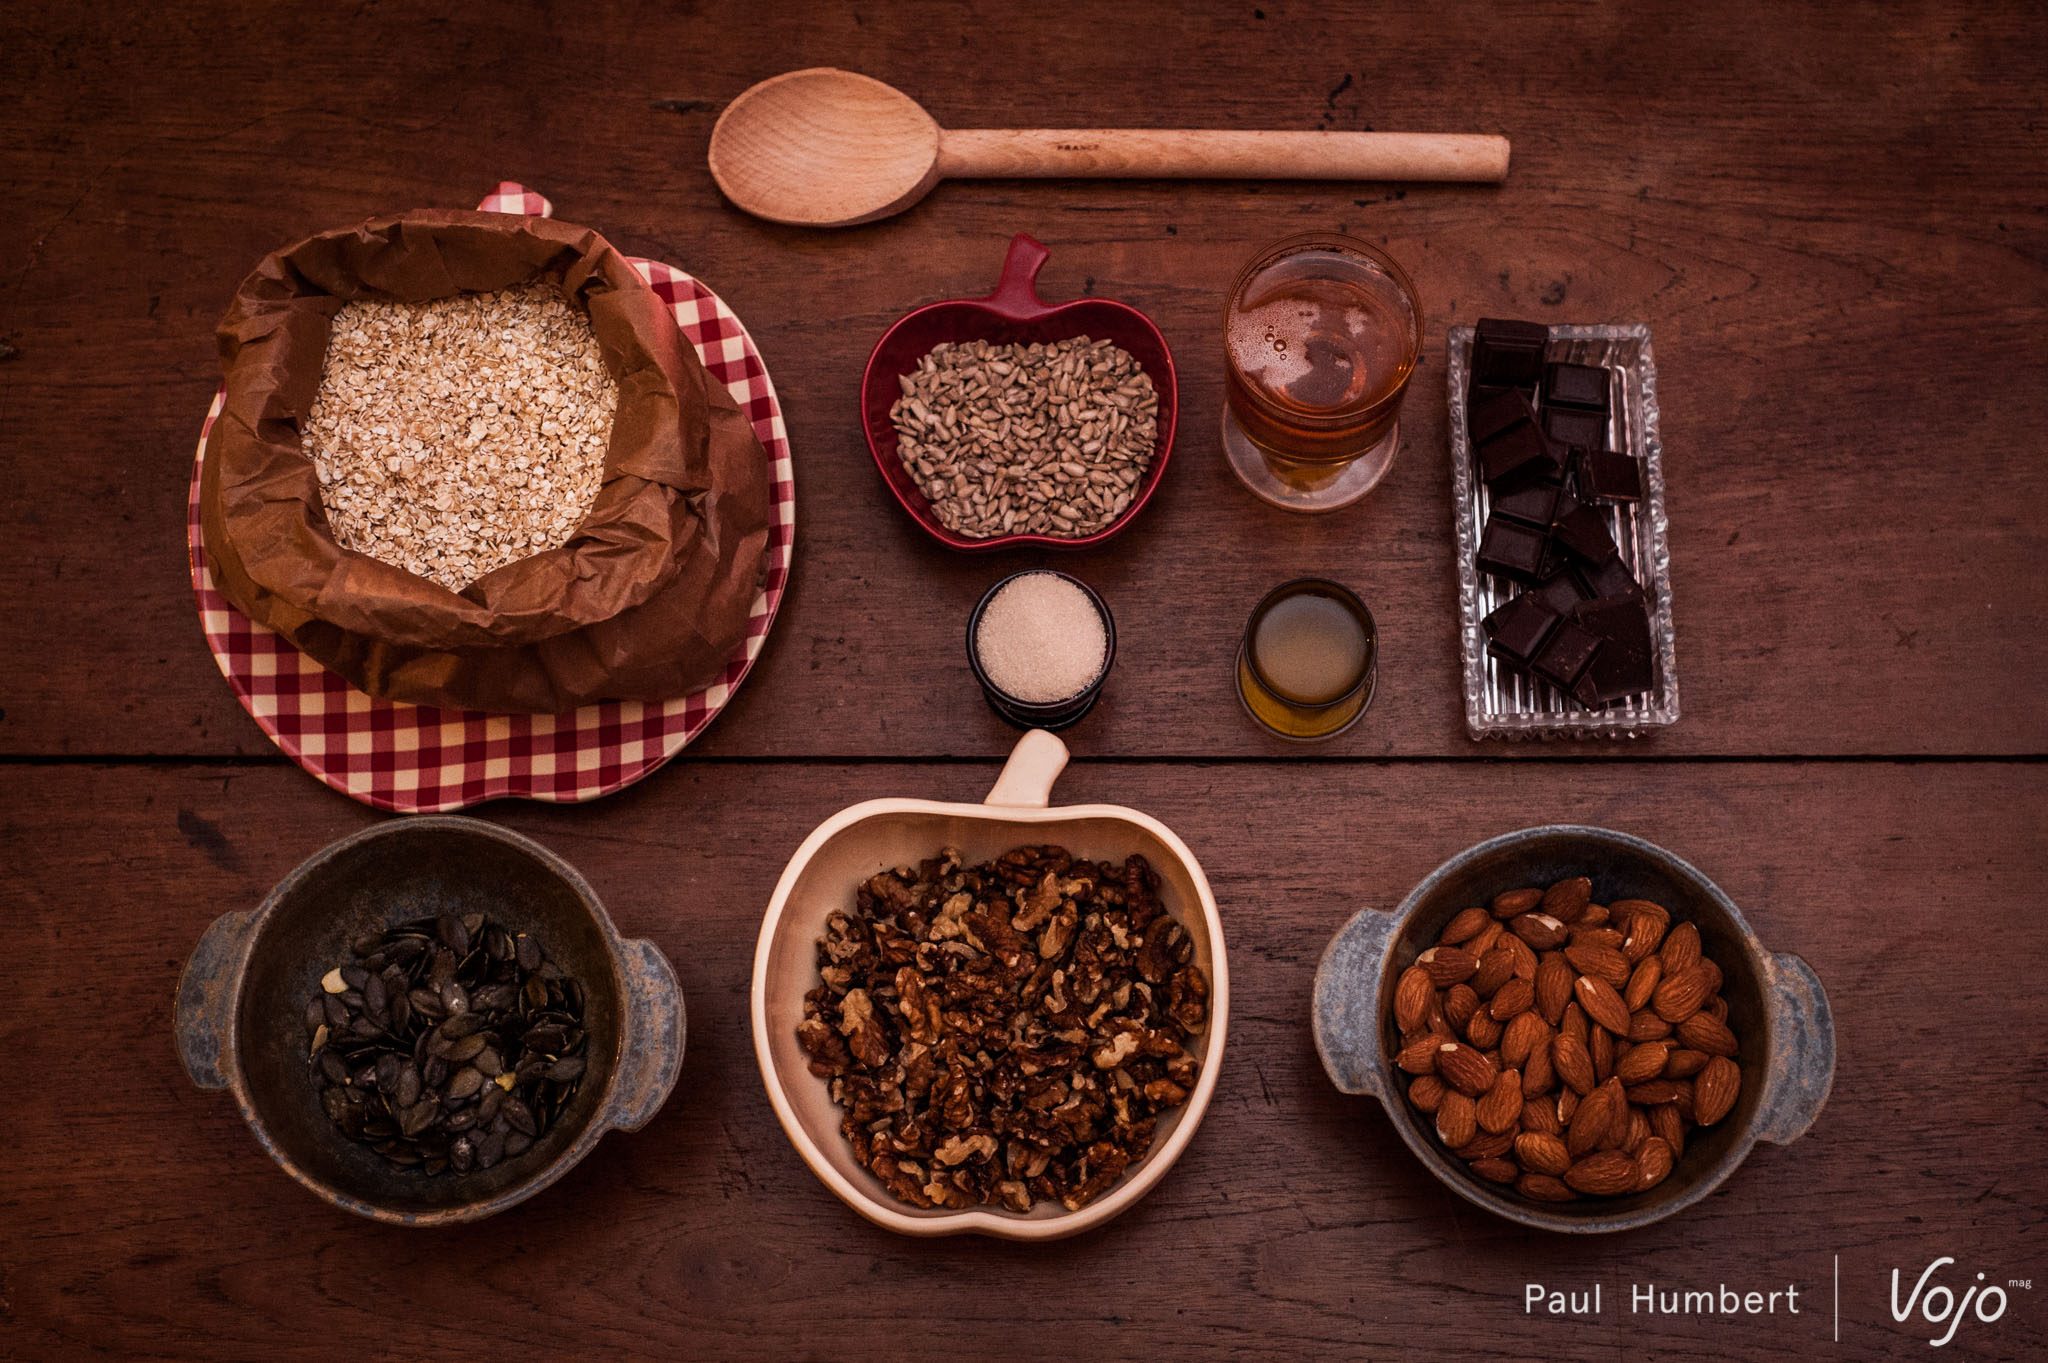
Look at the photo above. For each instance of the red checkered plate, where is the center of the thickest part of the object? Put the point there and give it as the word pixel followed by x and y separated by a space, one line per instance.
pixel 419 759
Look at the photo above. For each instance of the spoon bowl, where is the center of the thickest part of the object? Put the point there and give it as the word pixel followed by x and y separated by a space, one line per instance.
pixel 823 147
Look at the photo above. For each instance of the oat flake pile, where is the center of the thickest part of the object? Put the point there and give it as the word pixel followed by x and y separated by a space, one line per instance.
pixel 456 436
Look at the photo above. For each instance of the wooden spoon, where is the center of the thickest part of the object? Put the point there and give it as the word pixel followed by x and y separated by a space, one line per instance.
pixel 829 148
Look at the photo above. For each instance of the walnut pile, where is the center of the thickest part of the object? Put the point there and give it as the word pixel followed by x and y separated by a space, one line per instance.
pixel 1007 1033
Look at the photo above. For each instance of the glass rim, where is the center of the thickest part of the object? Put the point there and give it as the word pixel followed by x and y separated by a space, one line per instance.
pixel 1290 245
pixel 1295 587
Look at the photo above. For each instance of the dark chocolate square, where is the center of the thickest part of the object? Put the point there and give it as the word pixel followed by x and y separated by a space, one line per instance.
pixel 1624 666
pixel 1608 579
pixel 1611 477
pixel 1500 414
pixel 1520 457
pixel 1561 593
pixel 1566 655
pixel 1477 395
pixel 1516 631
pixel 1584 531
pixel 1512 550
pixel 1570 426
pixel 1575 385
pixel 1536 504
pixel 1508 354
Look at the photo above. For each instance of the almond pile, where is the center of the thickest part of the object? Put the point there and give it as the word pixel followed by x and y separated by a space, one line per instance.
pixel 1567 1047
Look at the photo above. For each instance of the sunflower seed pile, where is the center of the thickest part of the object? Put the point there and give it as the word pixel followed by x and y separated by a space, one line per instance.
pixel 447 1043
pixel 1047 439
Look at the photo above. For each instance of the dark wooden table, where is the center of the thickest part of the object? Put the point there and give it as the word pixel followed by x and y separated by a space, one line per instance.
pixel 1833 217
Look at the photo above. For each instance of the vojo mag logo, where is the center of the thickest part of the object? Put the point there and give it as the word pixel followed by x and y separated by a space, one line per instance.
pixel 1937 1304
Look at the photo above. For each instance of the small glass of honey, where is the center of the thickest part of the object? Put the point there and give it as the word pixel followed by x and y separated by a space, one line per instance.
pixel 1320 333
pixel 1308 662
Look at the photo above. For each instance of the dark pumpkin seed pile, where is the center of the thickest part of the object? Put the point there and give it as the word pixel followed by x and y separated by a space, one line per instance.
pixel 448 1044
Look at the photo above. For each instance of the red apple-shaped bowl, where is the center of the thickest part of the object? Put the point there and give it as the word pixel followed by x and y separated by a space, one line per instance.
pixel 1012 315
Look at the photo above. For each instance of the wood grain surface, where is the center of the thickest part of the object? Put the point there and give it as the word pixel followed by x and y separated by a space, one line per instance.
pixel 143 1219
pixel 1832 219
pixel 1835 219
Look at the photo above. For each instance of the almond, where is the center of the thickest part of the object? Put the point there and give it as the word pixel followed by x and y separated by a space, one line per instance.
pixel 1574 1023
pixel 1544 1188
pixel 1539 1115
pixel 1568 1056
pixel 1540 1152
pixel 1638 1130
pixel 1600 1045
pixel 1512 1000
pixel 1412 993
pixel 1553 987
pixel 1525 1033
pixel 1585 934
pixel 1501 1109
pixel 1468 923
pixel 1496 967
pixel 1419 1056
pixel 1461 1001
pixel 1590 1121
pixel 1643 923
pixel 1567 899
pixel 1537 1073
pixel 1447 965
pixel 1642 983
pixel 1684 1064
pixel 1602 1004
pixel 1426 1091
pixel 1704 1032
pixel 1647 1026
pixel 1496 1170
pixel 1658 1091
pixel 1539 930
pixel 1512 902
pixel 1521 959
pixel 1669 1128
pixel 1464 1068
pixel 1594 916
pixel 1483 943
pixel 1653 1163
pixel 1482 1031
pixel 1682 992
pixel 1642 1063
pixel 1601 962
pixel 1681 948
pixel 1606 1174
pixel 1484 1146
pixel 1457 1119
pixel 1714 1092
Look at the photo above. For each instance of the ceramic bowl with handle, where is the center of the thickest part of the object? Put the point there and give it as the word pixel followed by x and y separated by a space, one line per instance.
pixel 864 839
pixel 1013 315
pixel 242 1002
pixel 1776 1007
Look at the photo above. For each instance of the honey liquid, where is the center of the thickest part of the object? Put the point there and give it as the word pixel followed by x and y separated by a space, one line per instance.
pixel 1320 345
pixel 1306 666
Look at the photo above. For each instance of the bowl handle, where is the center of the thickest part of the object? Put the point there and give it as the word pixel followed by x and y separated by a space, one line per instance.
pixel 1347 1002
pixel 1016 296
pixel 655 1029
pixel 1035 763
pixel 204 1018
pixel 1802 1060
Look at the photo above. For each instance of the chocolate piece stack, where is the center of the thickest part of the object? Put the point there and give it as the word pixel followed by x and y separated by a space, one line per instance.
pixel 1540 437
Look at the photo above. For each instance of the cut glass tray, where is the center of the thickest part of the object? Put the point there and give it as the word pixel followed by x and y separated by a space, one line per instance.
pixel 1500 703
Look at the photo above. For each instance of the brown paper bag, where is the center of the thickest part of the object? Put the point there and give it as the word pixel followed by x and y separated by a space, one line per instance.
pixel 648 599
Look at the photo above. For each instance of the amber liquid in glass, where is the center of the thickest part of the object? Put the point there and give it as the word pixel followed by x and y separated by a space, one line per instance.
pixel 1305 668
pixel 1321 335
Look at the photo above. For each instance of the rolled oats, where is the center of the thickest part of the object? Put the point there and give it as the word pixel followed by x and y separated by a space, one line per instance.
pixel 456 436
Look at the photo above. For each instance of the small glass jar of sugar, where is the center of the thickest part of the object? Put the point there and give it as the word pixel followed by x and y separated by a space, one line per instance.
pixel 1041 644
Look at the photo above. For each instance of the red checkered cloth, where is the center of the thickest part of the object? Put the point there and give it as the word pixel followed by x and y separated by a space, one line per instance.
pixel 419 760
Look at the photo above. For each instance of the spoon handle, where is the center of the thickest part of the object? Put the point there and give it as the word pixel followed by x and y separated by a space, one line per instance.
pixel 1182 154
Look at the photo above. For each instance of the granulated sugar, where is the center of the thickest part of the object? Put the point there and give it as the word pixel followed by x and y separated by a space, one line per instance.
pixel 1041 639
